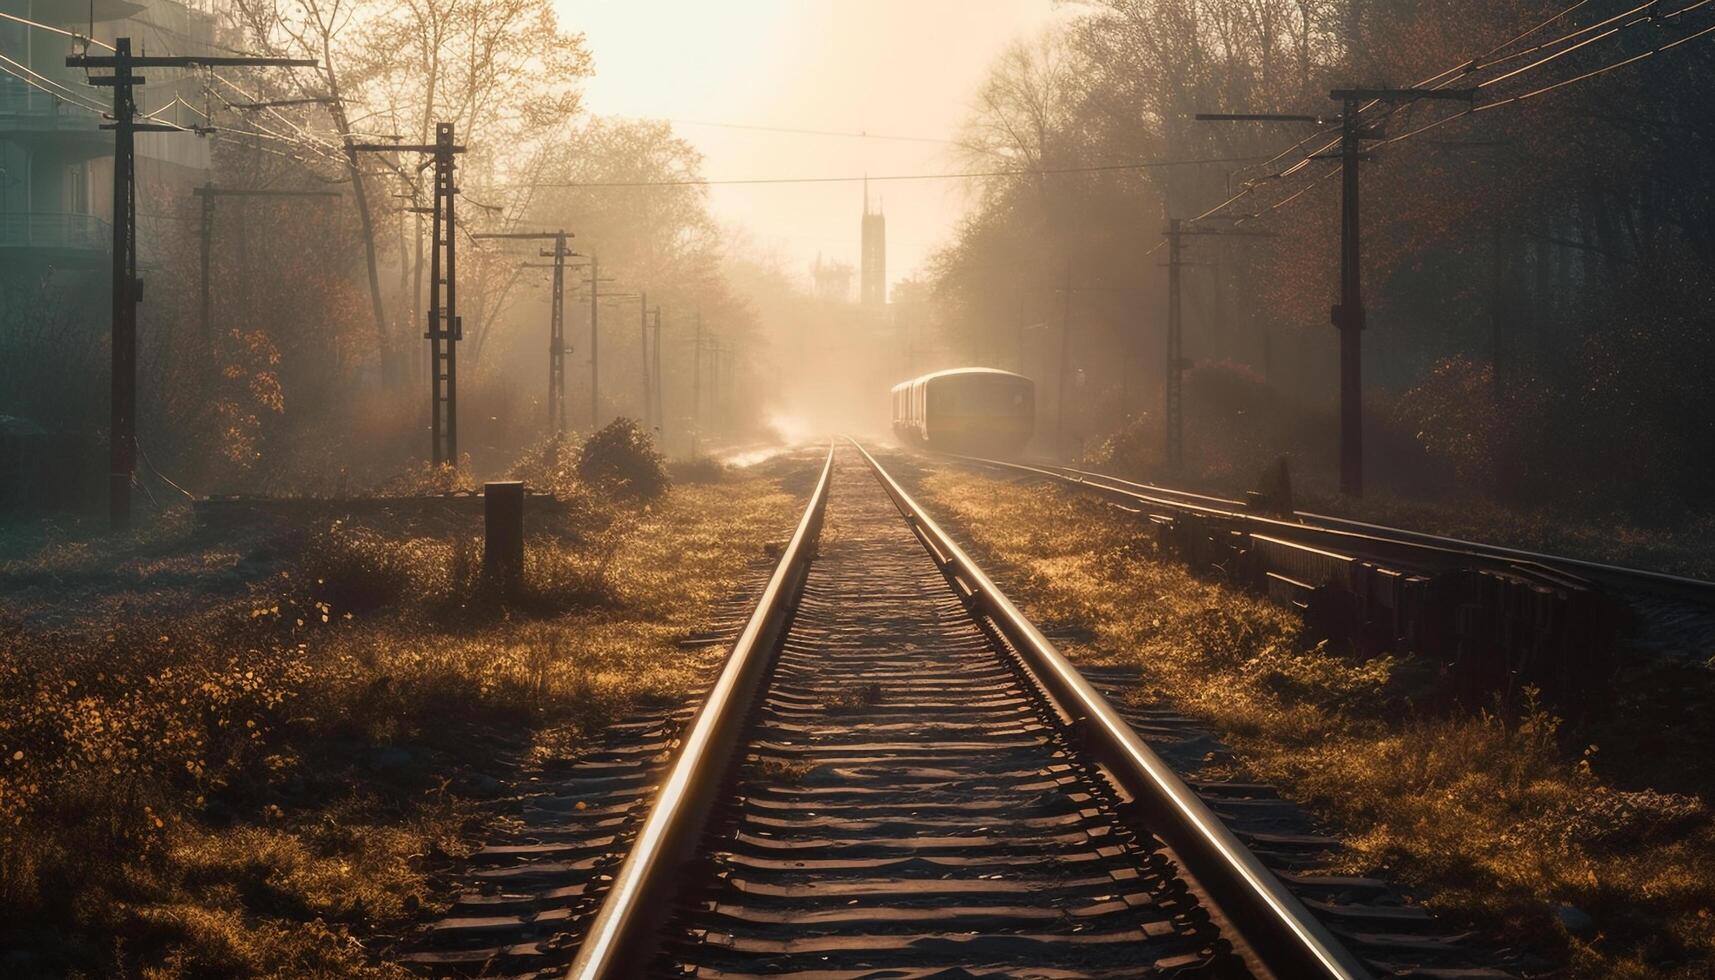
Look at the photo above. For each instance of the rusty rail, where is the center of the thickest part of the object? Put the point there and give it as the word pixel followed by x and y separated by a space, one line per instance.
pixel 620 940
pixel 1286 936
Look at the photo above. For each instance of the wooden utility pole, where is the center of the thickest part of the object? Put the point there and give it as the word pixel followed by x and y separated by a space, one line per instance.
pixel 557 348
pixel 1018 299
pixel 445 329
pixel 1348 317
pixel 655 372
pixel 643 354
pixel 1348 314
pixel 1177 362
pixel 1175 417
pixel 595 342
pixel 697 386
pixel 127 288
pixel 1065 356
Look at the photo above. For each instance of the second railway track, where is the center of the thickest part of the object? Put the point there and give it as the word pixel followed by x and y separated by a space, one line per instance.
pixel 896 775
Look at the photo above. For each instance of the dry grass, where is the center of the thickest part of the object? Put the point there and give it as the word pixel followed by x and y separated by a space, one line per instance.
pixel 258 786
pixel 1500 817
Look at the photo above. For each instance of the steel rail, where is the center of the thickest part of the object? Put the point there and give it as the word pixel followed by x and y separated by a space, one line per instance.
pixel 1285 934
pixel 620 941
pixel 1358 535
pixel 1500 552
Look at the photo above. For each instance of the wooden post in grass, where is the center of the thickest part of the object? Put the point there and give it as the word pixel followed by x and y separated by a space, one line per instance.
pixel 503 533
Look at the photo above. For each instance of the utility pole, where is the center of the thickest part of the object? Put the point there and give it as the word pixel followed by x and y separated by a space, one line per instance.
pixel 1177 362
pixel 697 386
pixel 127 288
pixel 445 329
pixel 1019 300
pixel 1175 416
pixel 208 192
pixel 595 298
pixel 655 371
pixel 1065 351
pixel 1348 315
pixel 643 355
pixel 715 411
pixel 557 348
pixel 595 340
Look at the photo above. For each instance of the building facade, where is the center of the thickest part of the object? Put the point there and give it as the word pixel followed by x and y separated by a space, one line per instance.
pixel 56 163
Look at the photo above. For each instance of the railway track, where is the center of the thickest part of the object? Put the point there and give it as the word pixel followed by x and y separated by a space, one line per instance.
pixel 897 775
pixel 1497 618
pixel 1344 535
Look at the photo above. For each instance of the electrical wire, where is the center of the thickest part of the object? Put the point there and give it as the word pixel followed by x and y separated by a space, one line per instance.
pixel 216 76
pixel 964 175
pixel 1441 80
pixel 23 73
pixel 1563 83
pixel 1437 81
pixel 1592 39
pixel 1599 71
pixel 794 130
pixel 1527 52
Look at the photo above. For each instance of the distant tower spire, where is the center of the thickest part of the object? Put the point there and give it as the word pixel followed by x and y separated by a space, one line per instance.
pixel 873 274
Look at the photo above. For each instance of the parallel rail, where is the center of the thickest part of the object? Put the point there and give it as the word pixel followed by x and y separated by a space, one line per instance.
pixel 1285 934
pixel 620 940
pixel 1282 934
pixel 1366 538
pixel 1496 618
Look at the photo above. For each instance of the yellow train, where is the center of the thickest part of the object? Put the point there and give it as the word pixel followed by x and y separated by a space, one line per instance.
pixel 966 410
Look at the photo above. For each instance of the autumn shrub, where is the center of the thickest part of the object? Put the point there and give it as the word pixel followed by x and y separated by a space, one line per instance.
pixel 1133 448
pixel 424 478
pixel 1234 425
pixel 101 738
pixel 622 459
pixel 550 466
pixel 352 569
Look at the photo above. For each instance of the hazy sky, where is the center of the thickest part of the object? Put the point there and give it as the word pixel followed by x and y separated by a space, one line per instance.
pixel 888 67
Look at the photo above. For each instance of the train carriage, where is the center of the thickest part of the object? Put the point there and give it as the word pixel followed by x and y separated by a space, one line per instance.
pixel 967 410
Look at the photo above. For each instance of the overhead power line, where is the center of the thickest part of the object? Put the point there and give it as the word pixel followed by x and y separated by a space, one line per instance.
pixel 1643 13
pixel 1584 76
pixel 1439 80
pixel 24 73
pixel 963 175
pixel 799 131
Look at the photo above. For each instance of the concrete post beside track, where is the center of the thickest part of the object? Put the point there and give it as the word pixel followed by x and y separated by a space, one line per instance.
pixel 503 533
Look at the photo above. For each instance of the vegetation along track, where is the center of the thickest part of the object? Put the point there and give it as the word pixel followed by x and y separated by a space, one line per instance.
pixel 896 772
